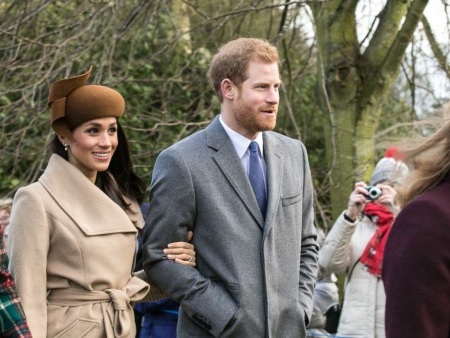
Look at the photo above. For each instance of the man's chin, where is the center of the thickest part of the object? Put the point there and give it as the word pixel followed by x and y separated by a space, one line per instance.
pixel 269 124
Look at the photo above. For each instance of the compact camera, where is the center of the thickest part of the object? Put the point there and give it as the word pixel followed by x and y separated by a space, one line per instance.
pixel 374 193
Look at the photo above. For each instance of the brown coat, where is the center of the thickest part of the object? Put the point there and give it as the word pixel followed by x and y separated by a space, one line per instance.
pixel 72 251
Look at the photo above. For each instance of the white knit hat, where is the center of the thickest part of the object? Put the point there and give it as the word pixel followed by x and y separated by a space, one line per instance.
pixel 389 168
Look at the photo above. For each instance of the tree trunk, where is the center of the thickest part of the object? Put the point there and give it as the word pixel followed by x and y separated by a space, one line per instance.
pixel 354 84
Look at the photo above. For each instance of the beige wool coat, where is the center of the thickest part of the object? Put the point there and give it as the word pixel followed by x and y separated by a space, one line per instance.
pixel 72 252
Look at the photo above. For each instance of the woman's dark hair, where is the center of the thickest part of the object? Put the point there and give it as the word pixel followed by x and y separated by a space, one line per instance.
pixel 120 180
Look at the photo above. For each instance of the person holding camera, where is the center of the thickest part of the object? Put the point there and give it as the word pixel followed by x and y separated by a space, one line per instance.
pixel 355 246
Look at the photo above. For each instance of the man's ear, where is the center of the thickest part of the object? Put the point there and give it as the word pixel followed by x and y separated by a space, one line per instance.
pixel 228 89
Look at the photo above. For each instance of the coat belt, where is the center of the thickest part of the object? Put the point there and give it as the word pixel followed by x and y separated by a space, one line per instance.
pixel 119 300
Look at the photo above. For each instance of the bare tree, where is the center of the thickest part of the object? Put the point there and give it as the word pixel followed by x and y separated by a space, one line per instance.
pixel 356 77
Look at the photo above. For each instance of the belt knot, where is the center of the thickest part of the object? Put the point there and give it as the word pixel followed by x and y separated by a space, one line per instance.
pixel 120 300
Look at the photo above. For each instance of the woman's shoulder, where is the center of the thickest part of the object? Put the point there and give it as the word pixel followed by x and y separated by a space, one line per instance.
pixel 433 203
pixel 426 215
pixel 32 190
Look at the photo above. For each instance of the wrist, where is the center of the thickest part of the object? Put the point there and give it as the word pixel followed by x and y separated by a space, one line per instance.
pixel 349 218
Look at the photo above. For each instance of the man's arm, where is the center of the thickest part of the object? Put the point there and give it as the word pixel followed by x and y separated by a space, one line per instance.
pixel 310 248
pixel 171 215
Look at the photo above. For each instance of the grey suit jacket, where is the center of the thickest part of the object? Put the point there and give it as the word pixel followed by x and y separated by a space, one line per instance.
pixel 254 278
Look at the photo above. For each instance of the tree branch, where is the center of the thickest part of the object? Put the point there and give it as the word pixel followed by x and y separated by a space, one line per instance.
pixel 437 52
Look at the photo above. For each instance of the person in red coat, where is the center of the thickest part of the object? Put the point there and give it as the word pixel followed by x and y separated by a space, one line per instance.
pixel 416 266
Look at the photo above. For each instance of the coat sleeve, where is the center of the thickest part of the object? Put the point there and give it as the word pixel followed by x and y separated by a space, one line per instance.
pixel 335 253
pixel 416 272
pixel 27 248
pixel 309 246
pixel 172 213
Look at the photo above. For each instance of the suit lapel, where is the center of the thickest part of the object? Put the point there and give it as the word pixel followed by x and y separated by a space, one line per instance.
pixel 231 166
pixel 273 155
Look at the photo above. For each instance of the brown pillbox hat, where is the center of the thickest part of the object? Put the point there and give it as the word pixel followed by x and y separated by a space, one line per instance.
pixel 73 103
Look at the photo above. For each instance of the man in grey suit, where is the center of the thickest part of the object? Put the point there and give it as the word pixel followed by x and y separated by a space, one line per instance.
pixel 256 247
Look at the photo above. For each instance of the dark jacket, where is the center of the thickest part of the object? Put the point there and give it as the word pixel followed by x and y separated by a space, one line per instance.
pixel 416 268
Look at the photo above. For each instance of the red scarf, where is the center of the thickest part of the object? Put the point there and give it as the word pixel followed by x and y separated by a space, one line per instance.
pixel 372 256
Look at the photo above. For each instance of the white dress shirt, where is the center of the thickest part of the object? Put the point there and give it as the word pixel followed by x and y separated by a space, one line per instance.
pixel 241 145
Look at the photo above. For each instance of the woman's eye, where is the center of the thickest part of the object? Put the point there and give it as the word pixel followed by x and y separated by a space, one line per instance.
pixel 113 130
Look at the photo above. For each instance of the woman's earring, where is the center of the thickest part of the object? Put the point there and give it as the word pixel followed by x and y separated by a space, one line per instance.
pixel 66 146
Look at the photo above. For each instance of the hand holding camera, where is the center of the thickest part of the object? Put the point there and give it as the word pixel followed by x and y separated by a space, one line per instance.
pixel 383 193
pixel 388 197
pixel 357 200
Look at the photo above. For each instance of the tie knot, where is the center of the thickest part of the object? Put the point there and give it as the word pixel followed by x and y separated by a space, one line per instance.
pixel 253 146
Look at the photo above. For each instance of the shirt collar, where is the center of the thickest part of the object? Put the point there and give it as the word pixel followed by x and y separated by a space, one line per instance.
pixel 240 142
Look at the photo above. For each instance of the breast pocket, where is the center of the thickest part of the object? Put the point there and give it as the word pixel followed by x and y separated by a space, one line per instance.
pixel 289 200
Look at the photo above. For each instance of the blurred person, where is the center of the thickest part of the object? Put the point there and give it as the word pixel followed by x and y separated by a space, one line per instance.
pixel 12 318
pixel 416 268
pixel 158 318
pixel 5 237
pixel 247 194
pixel 72 241
pixel 355 246
pixel 326 308
pixel 5 214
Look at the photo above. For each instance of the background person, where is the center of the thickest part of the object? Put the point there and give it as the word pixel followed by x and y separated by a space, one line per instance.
pixel 5 214
pixel 256 244
pixel 416 268
pixel 12 318
pixel 158 318
pixel 73 232
pixel 355 246
pixel 326 308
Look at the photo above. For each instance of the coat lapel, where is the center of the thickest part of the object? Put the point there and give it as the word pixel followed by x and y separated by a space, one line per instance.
pixel 231 166
pixel 273 155
pixel 91 209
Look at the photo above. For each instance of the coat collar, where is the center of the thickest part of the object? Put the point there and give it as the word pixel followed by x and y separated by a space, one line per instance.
pixel 89 207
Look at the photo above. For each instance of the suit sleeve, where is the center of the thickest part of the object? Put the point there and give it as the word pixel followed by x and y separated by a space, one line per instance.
pixel 416 272
pixel 28 245
pixel 172 213
pixel 309 246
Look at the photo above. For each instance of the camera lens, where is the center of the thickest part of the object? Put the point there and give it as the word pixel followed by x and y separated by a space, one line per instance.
pixel 374 193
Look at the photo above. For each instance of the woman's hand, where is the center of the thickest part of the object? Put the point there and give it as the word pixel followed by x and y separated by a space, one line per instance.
pixel 388 197
pixel 357 200
pixel 182 252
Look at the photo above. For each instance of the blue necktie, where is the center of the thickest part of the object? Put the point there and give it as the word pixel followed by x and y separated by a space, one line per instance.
pixel 256 177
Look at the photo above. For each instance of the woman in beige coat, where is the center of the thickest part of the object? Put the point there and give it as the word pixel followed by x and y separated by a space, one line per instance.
pixel 73 233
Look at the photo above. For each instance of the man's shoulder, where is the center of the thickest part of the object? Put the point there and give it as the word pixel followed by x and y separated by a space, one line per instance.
pixel 281 137
pixel 285 141
pixel 194 140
